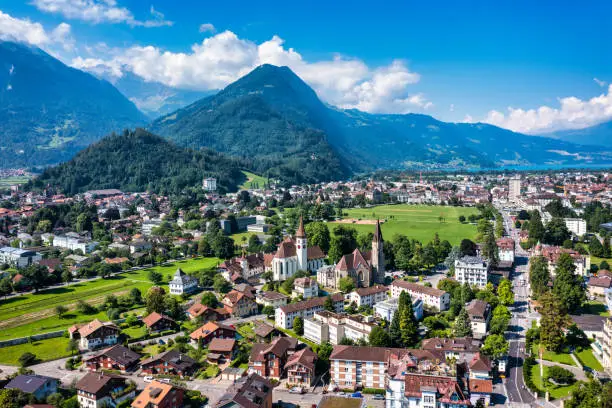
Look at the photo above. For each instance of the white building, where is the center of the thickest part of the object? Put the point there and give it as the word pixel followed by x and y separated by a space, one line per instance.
pixel 514 189
pixel 74 243
pixel 182 283
pixel 479 313
pixel 331 327
pixel 19 258
pixel 284 315
pixel 305 287
pixel 209 184
pixel 387 309
pixel 576 226
pixel 273 299
pixel 433 298
pixel 369 296
pixel 505 248
pixel 606 344
pixel 473 270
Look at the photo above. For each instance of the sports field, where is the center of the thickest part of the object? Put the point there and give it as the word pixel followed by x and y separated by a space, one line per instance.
pixel 35 313
pixel 420 222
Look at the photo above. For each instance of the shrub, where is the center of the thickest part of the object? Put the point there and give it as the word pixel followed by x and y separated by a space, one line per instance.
pixel 560 375
pixel 27 359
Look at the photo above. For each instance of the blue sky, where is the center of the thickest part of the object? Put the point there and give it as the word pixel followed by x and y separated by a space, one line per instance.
pixel 549 61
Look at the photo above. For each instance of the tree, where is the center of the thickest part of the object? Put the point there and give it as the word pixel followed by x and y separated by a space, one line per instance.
pixel 135 296
pixel 490 250
pixel 268 310
pixel 552 322
pixel 155 277
pixel 407 321
pixel 495 346
pixel 504 291
pixel 209 299
pixel 604 266
pixel 590 395
pixel 6 287
pixel 298 325
pixel 560 375
pixel 467 247
pixel 462 219
pixel 379 337
pixel 346 284
pixel 85 308
pixel 539 275
pixel 395 332
pixel 595 247
pixel 220 284
pixel 27 359
pixel 556 232
pixel 60 310
pixel 463 325
pixel 13 398
pixel 536 228
pixel 329 304
pixel 67 276
pixel 467 294
pixel 567 286
pixel 73 346
pixel 36 275
pixel 155 300
pixel 318 235
pixel 343 242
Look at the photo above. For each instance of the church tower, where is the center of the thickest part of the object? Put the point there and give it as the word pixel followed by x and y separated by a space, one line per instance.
pixel 378 257
pixel 301 247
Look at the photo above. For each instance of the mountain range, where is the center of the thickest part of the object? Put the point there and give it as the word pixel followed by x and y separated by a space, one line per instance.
pixel 270 119
pixel 600 134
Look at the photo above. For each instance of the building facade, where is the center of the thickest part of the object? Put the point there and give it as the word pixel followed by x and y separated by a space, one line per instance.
pixel 472 270
pixel 284 315
pixel 432 298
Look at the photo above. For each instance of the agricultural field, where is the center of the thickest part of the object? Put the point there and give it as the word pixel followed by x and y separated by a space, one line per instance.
pixel 35 313
pixel 419 222
pixel 10 181
pixel 253 181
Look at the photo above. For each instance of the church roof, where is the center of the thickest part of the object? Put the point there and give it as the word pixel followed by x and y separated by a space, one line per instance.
pixel 286 249
pixel 300 233
pixel 352 261
pixel 377 233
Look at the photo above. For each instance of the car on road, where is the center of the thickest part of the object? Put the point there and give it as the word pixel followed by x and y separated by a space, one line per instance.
pixel 356 395
pixel 297 390
pixel 379 397
pixel 148 379
pixel 341 394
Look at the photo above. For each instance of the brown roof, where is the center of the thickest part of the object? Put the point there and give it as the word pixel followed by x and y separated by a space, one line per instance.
pixel 314 252
pixel 480 363
pixel 352 261
pixel 271 295
pixel 118 353
pixel 310 303
pixel 304 282
pixel 154 393
pixel 208 328
pixel 600 281
pixel 305 357
pixel 247 392
pixel 173 357
pixel 371 290
pixel 94 382
pixel 360 353
pixel 505 243
pixel 286 249
pixel 262 329
pixel 222 345
pixel 477 308
pixel 155 317
pixel 467 344
pixel 481 386
pixel 415 287
pixel 444 386
pixel 92 327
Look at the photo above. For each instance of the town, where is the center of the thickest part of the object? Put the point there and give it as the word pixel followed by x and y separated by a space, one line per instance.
pixel 405 290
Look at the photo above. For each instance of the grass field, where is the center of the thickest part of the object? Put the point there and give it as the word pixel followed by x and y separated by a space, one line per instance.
pixel 594 308
pixel 420 222
pixel 238 237
pixel 45 350
pixel 555 392
pixel 10 181
pixel 34 313
pixel 253 181
pixel 597 261
pixel 563 358
pixel 587 358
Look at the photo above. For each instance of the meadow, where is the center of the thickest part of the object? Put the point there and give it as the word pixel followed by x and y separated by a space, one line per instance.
pixel 419 222
pixel 253 181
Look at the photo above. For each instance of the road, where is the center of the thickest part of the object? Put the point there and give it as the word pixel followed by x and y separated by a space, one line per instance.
pixel 521 320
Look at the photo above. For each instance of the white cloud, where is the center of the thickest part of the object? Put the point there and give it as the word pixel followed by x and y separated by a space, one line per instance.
pixel 572 113
pixel 600 82
pixel 99 11
pixel 207 28
pixel 451 108
pixel 24 30
pixel 468 119
pixel 224 57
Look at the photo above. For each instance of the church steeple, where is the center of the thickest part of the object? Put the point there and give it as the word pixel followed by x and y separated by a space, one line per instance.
pixel 301 246
pixel 377 233
pixel 378 257
pixel 300 233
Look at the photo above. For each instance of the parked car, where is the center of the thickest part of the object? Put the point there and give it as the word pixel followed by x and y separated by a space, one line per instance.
pixel 379 397
pixel 164 380
pixel 297 390
pixel 356 395
pixel 148 379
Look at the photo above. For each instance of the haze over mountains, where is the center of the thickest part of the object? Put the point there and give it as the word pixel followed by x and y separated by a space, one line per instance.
pixel 270 119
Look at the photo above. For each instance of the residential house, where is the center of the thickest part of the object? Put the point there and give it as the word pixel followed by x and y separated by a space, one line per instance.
pixel 159 395
pixel 39 386
pixel 157 322
pixel 272 299
pixel 300 368
pixel 552 254
pixel 480 367
pixel 246 266
pixel 182 283
pixel 101 390
pixel 268 360
pixel 284 315
pixel 264 332
pixel 117 358
pixel 369 296
pixel 207 314
pixel 95 334
pixel 252 391
pixel 212 330
pixel 387 308
pixel 221 350
pixel 479 312
pixel 461 348
pixel 599 285
pixel 240 304
pixel 305 287
pixel 432 298
pixel 505 248
pixel 170 362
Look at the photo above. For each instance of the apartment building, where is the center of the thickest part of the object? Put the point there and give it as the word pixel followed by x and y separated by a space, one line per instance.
pixel 606 344
pixel 479 312
pixel 386 309
pixel 552 254
pixel 576 226
pixel 284 315
pixel 305 287
pixel 369 296
pixel 74 243
pixel 505 248
pixel 433 298
pixel 352 366
pixel 19 258
pixel 472 270
pixel 461 348
pixel 331 327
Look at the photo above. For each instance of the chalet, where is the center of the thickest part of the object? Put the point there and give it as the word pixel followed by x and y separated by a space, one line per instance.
pixel 264 332
pixel 247 392
pixel 98 390
pixel 170 362
pixel 156 323
pixel 39 386
pixel 212 330
pixel 300 368
pixel 240 304
pixel 118 358
pixel 95 334
pixel 159 395
pixel 221 350
pixel 207 314
pixel 268 360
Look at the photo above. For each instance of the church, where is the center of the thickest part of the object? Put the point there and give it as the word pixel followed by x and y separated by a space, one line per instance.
pixel 295 254
pixel 365 268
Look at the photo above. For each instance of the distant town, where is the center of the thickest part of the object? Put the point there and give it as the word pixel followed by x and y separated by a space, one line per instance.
pixel 421 290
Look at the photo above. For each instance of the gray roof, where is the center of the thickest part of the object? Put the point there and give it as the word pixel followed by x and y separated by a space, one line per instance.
pixel 29 383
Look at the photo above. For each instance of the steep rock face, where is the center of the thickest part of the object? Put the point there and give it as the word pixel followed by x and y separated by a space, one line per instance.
pixel 49 111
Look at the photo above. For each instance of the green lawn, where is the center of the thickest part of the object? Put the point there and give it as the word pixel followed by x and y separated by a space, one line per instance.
pixel 34 313
pixel 135 332
pixel 587 358
pixel 563 358
pixel 594 308
pixel 45 350
pixel 238 237
pixel 597 261
pixel 253 181
pixel 420 222
pixel 555 392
